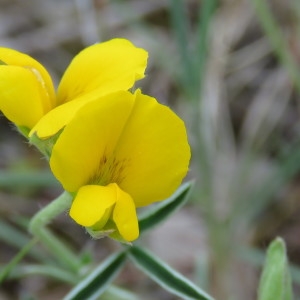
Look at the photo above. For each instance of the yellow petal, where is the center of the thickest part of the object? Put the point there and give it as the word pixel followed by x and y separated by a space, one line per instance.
pixel 91 203
pixel 15 58
pixel 21 99
pixel 87 142
pixel 155 142
pixel 110 66
pixel 58 117
pixel 124 215
pixel 143 148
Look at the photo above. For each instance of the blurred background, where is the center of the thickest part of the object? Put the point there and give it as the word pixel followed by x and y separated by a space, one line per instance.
pixel 230 69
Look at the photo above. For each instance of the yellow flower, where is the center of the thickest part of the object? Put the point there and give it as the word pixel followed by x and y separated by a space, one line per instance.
pixel 27 93
pixel 120 152
pixel 26 89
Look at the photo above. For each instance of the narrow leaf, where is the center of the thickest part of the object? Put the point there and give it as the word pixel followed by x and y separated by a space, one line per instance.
pixel 275 282
pixel 98 281
pixel 164 209
pixel 44 270
pixel 165 276
pixel 117 293
pixel 30 178
pixel 23 252
pixel 16 238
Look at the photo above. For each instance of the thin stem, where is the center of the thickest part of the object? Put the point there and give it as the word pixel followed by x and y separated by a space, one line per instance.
pixel 17 239
pixel 37 228
pixel 59 249
pixel 7 269
pixel 48 213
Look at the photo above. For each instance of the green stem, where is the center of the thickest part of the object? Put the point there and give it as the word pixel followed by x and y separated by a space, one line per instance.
pixel 48 213
pixel 9 267
pixel 37 228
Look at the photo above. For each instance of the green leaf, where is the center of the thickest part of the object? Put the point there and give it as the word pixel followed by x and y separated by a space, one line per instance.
pixel 164 209
pixel 4 273
pixel 16 238
pixel 116 293
pixel 275 282
pixel 165 276
pixel 44 270
pixel 12 179
pixel 98 281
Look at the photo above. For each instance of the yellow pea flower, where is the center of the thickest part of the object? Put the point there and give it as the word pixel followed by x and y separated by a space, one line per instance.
pixel 26 89
pixel 27 93
pixel 119 152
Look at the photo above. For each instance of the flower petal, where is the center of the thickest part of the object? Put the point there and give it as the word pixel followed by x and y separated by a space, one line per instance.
pixel 91 203
pixel 58 117
pixel 156 146
pixel 124 215
pixel 21 99
pixel 110 66
pixel 89 140
pixel 15 58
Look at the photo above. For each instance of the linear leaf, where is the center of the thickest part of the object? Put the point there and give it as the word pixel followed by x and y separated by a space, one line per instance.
pixel 18 179
pixel 44 270
pixel 98 281
pixel 4 273
pixel 165 276
pixel 164 209
pixel 16 238
pixel 117 293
